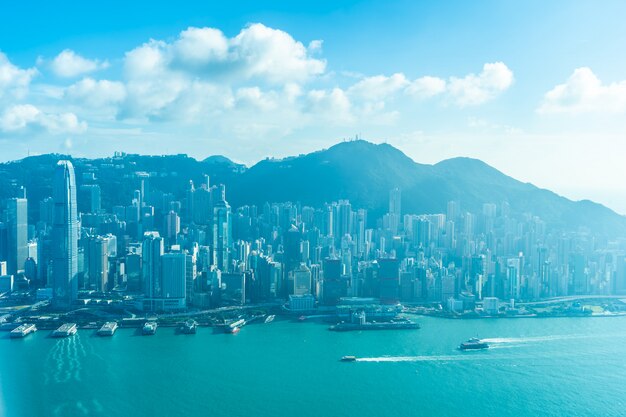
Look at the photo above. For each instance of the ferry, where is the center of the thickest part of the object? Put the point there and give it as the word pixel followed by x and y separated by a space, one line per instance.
pixel 108 328
pixel 474 344
pixel 270 318
pixel 233 330
pixel 23 330
pixel 348 358
pixel 65 330
pixel 149 328
pixel 189 327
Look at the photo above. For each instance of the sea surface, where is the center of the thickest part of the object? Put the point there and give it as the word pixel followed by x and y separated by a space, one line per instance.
pixel 535 367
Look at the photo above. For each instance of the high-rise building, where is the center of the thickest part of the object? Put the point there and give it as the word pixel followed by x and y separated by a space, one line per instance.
pixel 17 234
pixel 89 200
pixel 395 201
pixel 301 280
pixel 151 251
pixel 65 233
pixel 98 262
pixel 174 270
pixel 222 232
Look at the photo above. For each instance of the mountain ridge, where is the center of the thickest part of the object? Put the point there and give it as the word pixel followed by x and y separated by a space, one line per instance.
pixel 360 171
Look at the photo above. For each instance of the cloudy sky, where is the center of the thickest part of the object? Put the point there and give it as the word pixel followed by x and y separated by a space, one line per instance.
pixel 536 89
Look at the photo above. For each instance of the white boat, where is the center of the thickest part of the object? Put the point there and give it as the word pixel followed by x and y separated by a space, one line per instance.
pixel 108 328
pixel 270 318
pixel 65 330
pixel 189 327
pixel 23 330
pixel 149 328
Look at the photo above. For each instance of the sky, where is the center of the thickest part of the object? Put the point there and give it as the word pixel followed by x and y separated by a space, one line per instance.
pixel 536 89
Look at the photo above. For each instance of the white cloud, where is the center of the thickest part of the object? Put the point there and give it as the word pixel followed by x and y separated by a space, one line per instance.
pixel 378 87
pixel 21 117
pixel 273 55
pixel 253 97
pixel 477 89
pixel 332 106
pixel 161 76
pixel 14 81
pixel 266 54
pixel 69 64
pixel 583 92
pixel 200 46
pixel 96 93
pixel 426 87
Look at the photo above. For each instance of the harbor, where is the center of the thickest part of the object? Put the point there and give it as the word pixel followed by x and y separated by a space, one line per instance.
pixel 185 372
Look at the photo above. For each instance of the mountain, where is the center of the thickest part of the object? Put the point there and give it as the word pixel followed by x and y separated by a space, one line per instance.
pixel 360 171
pixel 364 173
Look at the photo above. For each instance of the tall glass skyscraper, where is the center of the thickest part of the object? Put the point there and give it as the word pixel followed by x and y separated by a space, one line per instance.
pixel 17 221
pixel 222 231
pixel 65 232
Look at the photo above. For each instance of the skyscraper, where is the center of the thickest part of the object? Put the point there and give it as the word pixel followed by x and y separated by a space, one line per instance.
pixel 222 231
pixel 98 263
pixel 151 251
pixel 64 235
pixel 395 201
pixel 17 236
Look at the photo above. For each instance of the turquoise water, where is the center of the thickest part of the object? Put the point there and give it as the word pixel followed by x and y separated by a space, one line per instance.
pixel 536 367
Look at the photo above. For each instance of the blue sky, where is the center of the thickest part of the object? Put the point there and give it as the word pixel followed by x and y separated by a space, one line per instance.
pixel 536 89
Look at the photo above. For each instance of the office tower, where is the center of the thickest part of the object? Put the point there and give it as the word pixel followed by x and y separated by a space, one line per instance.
pixel 191 272
pixel 222 231
pixel 389 276
pixel 174 271
pixel 172 227
pixel 202 210
pixel 334 286
pixel 17 234
pixel 395 202
pixel 97 254
pixel 89 198
pixel 453 211
pixel 151 251
pixel 65 233
pixel 343 225
pixel 301 280
pixel 292 248
pixel 189 207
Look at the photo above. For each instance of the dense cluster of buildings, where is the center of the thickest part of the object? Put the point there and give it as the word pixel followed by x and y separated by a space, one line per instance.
pixel 171 254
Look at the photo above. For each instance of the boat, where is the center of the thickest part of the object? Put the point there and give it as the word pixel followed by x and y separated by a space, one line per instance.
pixel 474 344
pixel 23 330
pixel 348 358
pixel 270 318
pixel 65 330
pixel 233 330
pixel 234 326
pixel 108 329
pixel 189 327
pixel 149 328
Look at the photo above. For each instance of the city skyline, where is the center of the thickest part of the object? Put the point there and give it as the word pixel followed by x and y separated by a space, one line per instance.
pixel 487 86
pixel 337 208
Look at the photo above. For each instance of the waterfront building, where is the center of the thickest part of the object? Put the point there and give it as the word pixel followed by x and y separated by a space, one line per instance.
pixel 222 231
pixel 17 234
pixel 65 233
pixel 151 251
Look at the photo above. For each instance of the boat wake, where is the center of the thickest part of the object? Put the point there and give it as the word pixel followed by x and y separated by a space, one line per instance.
pixel 423 358
pixel 63 363
pixel 537 339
